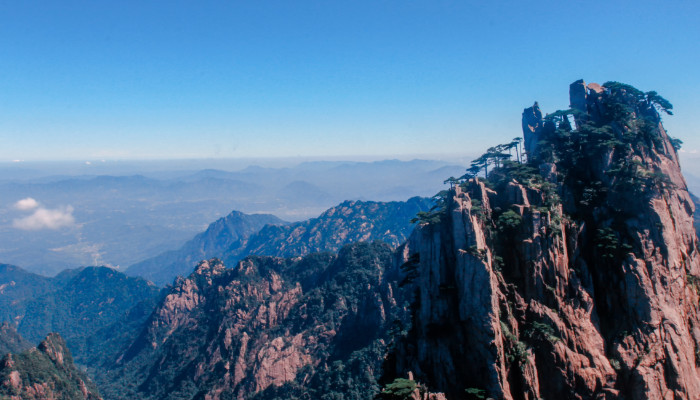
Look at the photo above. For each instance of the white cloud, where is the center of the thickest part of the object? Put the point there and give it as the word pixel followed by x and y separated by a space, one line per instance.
pixel 44 218
pixel 26 204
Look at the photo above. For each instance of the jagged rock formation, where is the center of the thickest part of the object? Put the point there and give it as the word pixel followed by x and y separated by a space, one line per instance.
pixel 573 276
pixel 235 228
pixel 272 326
pixel 46 372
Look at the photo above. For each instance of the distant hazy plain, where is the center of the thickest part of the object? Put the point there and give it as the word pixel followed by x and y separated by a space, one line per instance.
pixel 57 215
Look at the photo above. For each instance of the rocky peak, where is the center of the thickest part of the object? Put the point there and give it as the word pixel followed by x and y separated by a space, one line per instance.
pixel 532 126
pixel 209 268
pixel 55 348
pixel 573 275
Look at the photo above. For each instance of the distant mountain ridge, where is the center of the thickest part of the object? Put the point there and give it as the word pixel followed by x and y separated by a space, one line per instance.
pixel 122 218
pixel 236 227
pixel 239 235
pixel 349 222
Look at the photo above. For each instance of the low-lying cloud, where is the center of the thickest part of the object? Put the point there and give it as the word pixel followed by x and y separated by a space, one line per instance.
pixel 41 217
pixel 26 204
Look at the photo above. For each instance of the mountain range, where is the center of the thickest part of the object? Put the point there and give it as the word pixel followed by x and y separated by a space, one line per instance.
pixel 115 218
pixel 225 232
pixel 562 265
pixel 239 235
pixel 230 333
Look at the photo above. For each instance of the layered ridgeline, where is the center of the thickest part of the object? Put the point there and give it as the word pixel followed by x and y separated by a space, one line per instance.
pixel 279 328
pixel 234 229
pixel 572 275
pixel 44 372
pixel 239 235
pixel 78 304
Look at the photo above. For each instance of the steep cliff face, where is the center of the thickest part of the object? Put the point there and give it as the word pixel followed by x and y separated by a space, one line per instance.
pixel 272 326
pixel 44 372
pixel 571 276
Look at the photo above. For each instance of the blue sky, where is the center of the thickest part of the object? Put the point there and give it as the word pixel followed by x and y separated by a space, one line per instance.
pixel 84 80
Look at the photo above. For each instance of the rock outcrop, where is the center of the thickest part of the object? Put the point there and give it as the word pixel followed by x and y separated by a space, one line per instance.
pixel 573 276
pixel 46 372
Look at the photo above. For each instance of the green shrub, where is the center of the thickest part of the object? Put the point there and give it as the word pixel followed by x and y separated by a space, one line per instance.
pixel 399 389
pixel 509 221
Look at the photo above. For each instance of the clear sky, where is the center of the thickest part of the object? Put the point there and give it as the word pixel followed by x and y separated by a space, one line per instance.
pixel 188 79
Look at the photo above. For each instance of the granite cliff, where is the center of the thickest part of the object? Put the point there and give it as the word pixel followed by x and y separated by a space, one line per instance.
pixel 572 274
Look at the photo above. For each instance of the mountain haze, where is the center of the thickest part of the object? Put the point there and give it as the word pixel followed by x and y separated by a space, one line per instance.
pixel 121 218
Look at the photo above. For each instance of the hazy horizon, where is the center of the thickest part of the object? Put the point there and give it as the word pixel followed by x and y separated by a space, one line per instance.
pixel 133 80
